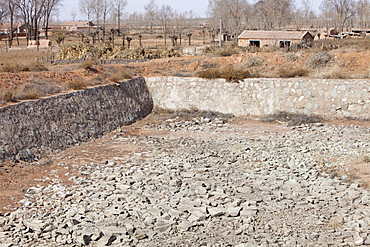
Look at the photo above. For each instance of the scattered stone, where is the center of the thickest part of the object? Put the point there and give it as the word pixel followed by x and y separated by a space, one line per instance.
pixel 216 189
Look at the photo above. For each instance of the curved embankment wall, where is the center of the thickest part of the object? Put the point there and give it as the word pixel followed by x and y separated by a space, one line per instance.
pixel 327 98
pixel 48 125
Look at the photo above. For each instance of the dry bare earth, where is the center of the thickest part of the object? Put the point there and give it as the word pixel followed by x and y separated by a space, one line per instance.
pixel 343 65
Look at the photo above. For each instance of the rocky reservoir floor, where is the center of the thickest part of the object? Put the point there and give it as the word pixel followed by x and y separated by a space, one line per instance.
pixel 207 180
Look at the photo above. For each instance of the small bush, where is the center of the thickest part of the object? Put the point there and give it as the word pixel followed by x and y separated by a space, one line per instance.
pixel 36 66
pixel 228 51
pixel 31 95
pixel 291 57
pixel 290 72
pixel 334 73
pixel 230 74
pixel 19 67
pixel 253 62
pixel 34 89
pixel 77 84
pixel 27 91
pixel 366 159
pixel 120 75
pixel 319 60
pixel 7 96
pixel 59 36
pixel 292 118
pixel 87 64
pixel 211 73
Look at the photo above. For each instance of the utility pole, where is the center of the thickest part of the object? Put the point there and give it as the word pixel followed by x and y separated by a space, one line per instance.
pixel 220 32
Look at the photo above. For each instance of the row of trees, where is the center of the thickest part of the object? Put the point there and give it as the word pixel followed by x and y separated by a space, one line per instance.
pixel 237 15
pixel 230 16
pixel 233 16
pixel 35 14
pixel 174 25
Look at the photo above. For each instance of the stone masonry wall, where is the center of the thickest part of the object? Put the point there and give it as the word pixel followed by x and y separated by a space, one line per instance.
pixel 258 97
pixel 47 125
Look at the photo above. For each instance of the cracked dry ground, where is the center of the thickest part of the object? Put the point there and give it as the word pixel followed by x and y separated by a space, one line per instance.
pixel 338 150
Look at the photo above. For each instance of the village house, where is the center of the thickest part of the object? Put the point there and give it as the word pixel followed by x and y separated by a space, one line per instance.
pixel 76 25
pixel 282 39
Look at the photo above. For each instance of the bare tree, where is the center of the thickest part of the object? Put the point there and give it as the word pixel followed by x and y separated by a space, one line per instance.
pixel 165 15
pixel 304 17
pixel 340 11
pixel 135 19
pixel 119 6
pixel 274 13
pixel 32 11
pixel 151 13
pixel 363 13
pixel 106 8
pixel 73 14
pixel 4 9
pixel 232 13
pixel 49 7
pixel 87 8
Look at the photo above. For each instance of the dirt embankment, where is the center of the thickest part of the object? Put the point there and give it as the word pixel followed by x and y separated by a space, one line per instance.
pixel 270 64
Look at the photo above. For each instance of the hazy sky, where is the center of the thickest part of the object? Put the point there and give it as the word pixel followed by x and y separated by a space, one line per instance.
pixel 197 6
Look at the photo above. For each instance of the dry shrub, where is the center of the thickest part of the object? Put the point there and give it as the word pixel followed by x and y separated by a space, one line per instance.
pixel 26 91
pixel 365 159
pixel 211 73
pixel 335 73
pixel 88 64
pixel 233 74
pixel 290 72
pixel 228 51
pixel 253 62
pixel 229 73
pixel 77 84
pixel 33 89
pixel 14 67
pixel 7 96
pixel 189 114
pixel 319 60
pixel 291 57
pixel 292 118
pixel 120 75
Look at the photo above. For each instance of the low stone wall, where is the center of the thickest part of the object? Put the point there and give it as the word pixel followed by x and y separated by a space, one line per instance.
pixel 48 125
pixel 328 98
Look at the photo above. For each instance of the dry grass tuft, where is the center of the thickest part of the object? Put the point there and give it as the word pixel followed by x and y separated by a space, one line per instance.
pixel 254 62
pixel 230 73
pixel 290 72
pixel 120 75
pixel 36 88
pixel 319 60
pixel 334 73
pixel 14 67
pixel 88 65
pixel 211 73
pixel 292 119
pixel 77 84
pixel 227 50
pixel 7 96
pixel 291 57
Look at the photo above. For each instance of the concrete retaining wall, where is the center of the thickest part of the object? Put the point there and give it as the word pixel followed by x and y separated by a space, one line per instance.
pixel 29 129
pixel 328 98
